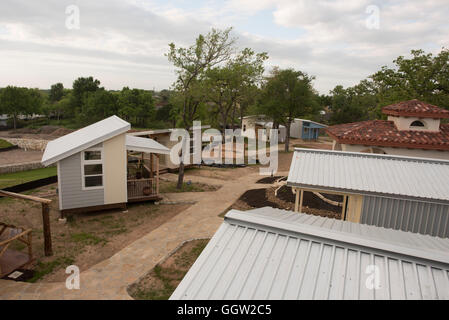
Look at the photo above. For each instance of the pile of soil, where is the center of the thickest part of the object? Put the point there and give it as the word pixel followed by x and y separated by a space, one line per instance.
pixel 257 198
pixel 48 129
pixel 310 200
pixel 61 132
pixel 268 180
pixel 285 199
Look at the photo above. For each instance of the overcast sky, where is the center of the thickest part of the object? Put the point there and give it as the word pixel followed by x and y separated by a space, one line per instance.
pixel 122 42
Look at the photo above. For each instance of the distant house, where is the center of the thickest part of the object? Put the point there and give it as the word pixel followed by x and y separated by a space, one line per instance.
pixel 272 254
pixel 251 125
pixel 3 120
pixel 305 129
pixel 409 194
pixel 413 129
pixel 101 167
pixel 162 136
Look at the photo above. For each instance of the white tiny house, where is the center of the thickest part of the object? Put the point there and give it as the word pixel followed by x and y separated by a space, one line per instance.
pixel 101 167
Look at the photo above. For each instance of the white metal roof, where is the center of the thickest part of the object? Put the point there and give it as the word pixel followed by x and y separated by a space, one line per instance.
pixel 145 145
pixel 365 173
pixel 269 253
pixel 84 138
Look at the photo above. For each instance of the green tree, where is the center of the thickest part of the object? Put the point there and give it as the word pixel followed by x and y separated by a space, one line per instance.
pixel 98 105
pixel 136 106
pixel 287 94
pixel 56 92
pixel 228 86
pixel 191 63
pixel 81 87
pixel 15 101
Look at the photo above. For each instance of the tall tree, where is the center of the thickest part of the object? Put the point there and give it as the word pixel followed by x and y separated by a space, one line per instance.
pixel 228 86
pixel 56 92
pixel 191 63
pixel 81 87
pixel 287 94
pixel 16 101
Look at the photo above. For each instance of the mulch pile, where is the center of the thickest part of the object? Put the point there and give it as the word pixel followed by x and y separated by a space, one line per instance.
pixel 310 200
pixel 285 199
pixel 268 180
pixel 257 198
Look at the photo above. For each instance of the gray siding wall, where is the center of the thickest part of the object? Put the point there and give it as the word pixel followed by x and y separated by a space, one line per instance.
pixel 406 215
pixel 72 194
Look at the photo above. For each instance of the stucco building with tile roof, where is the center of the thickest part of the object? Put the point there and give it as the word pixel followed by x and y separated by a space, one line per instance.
pixel 413 128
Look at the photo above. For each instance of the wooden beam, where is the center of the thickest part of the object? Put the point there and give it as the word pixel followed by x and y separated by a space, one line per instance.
pixel 300 200
pixel 48 250
pixel 151 165
pixel 24 197
pixel 296 200
pixel 157 174
pixel 343 209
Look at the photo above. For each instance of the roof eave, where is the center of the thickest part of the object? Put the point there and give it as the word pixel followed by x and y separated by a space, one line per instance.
pixel 67 154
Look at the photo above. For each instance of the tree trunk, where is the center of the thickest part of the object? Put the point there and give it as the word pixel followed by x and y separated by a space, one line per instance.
pixel 180 175
pixel 287 136
pixel 14 121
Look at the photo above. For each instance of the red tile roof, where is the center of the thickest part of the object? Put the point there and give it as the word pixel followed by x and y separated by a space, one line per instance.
pixel 385 134
pixel 415 108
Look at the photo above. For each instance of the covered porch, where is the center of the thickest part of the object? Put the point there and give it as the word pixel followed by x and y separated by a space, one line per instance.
pixel 143 168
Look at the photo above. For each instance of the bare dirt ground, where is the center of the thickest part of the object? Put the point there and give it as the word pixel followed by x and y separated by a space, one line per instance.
pixel 42 133
pixel 162 280
pixel 17 156
pixel 85 239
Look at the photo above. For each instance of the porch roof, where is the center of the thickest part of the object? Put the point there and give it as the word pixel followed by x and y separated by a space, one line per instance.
pixel 145 145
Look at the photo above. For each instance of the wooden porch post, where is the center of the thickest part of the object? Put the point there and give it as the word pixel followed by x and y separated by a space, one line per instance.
pixel 345 199
pixel 151 165
pixel 300 201
pixel 157 174
pixel 46 226
pixel 296 199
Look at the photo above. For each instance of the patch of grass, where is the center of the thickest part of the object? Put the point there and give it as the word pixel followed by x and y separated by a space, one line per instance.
pixel 5 144
pixel 12 179
pixel 185 258
pixel 165 277
pixel 87 238
pixel 44 268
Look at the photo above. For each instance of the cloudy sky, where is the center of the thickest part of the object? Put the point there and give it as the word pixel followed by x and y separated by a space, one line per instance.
pixel 122 42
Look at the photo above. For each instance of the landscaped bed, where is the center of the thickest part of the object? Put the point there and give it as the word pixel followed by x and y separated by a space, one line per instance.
pixel 285 199
pixel 163 279
pixel 85 239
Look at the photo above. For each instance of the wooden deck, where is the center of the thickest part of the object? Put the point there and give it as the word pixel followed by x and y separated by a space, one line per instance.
pixel 142 190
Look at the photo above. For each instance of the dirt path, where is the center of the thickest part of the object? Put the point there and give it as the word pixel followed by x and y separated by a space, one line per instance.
pixel 17 156
pixel 110 278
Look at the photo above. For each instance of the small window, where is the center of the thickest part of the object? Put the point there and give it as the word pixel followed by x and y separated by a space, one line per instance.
pixel 92 155
pixel 92 169
pixel 417 123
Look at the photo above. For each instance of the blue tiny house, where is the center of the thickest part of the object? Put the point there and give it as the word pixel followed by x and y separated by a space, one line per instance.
pixel 305 129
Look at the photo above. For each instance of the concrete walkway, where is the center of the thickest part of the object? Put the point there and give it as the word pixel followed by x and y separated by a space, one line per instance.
pixel 110 278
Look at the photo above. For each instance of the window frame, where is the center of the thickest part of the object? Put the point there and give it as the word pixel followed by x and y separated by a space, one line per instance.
pixel 424 124
pixel 88 162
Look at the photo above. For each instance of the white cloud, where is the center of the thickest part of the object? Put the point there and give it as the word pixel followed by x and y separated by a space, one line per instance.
pixel 123 42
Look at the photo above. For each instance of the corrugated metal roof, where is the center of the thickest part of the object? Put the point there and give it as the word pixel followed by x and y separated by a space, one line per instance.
pixel 145 145
pixel 83 138
pixel 275 254
pixel 366 173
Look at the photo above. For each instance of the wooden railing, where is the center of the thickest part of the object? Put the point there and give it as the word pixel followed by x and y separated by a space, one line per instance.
pixel 141 188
